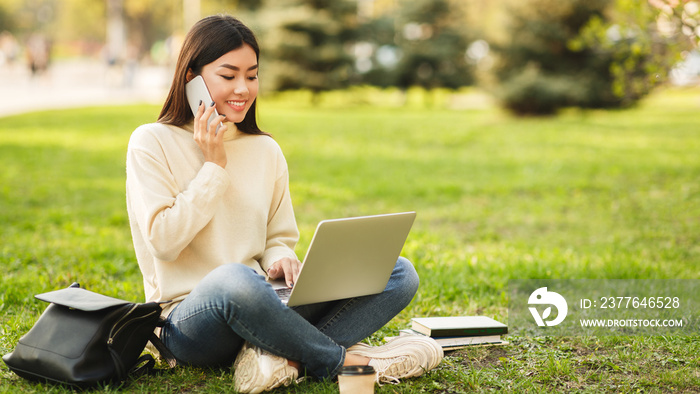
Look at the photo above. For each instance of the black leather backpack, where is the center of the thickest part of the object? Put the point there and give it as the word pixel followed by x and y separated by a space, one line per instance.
pixel 84 339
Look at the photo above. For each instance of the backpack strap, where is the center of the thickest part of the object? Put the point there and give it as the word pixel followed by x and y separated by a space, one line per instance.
pixel 165 353
pixel 144 364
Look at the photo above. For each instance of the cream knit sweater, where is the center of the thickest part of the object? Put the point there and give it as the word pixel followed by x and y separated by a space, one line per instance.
pixel 188 216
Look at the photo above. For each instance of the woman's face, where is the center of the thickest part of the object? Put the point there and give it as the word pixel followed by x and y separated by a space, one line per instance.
pixel 232 81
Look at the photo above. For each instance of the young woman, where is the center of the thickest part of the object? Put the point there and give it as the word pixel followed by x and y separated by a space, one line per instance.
pixel 211 218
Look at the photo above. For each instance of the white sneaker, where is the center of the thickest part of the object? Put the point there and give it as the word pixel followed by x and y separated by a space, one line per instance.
pixel 402 357
pixel 256 370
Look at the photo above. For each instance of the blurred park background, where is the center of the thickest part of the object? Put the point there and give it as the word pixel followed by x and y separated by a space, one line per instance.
pixel 529 56
pixel 384 106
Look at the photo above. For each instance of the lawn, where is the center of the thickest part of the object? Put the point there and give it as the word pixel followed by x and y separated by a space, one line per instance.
pixel 586 194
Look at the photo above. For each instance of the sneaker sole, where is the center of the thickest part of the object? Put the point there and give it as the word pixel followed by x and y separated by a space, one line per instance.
pixel 428 359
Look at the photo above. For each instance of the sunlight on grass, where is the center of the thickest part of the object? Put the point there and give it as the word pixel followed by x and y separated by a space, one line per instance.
pixel 587 194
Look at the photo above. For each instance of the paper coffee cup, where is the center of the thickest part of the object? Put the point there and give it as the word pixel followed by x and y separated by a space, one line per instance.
pixel 356 379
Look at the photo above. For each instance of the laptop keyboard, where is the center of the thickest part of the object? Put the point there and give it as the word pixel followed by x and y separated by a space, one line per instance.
pixel 283 293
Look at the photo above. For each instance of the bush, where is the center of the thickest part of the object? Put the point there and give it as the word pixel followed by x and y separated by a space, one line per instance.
pixel 583 53
pixel 534 92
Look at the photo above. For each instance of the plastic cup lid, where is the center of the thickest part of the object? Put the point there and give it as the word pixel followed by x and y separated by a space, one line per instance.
pixel 357 370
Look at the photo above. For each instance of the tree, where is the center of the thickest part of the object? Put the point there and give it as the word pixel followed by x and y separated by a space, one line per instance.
pixel 311 47
pixel 680 18
pixel 377 53
pixel 433 42
pixel 584 53
pixel 643 43
pixel 536 72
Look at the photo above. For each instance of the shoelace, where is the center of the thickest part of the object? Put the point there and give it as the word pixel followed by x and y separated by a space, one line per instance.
pixel 398 363
pixel 248 377
pixel 283 378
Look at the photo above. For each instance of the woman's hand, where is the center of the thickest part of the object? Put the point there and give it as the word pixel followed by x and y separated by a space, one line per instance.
pixel 286 268
pixel 205 135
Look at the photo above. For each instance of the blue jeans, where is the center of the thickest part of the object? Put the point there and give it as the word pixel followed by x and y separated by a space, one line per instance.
pixel 233 304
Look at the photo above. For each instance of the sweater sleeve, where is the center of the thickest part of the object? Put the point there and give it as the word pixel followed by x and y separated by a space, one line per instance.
pixel 167 217
pixel 282 231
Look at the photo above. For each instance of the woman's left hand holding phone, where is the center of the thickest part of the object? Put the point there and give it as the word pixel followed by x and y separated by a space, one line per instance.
pixel 206 136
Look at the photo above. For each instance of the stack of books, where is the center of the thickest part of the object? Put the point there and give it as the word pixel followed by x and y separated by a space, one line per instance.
pixel 456 332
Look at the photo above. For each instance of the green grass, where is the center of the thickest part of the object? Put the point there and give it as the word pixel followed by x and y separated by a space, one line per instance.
pixel 587 194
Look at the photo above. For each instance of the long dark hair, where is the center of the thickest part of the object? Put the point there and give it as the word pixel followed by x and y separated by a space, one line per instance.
pixel 208 40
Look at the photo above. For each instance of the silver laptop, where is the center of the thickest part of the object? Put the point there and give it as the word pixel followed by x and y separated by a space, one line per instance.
pixel 349 257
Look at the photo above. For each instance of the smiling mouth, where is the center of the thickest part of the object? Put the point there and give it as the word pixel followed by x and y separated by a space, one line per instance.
pixel 236 104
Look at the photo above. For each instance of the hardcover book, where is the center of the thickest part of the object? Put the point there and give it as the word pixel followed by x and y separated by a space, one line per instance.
pixel 458 326
pixel 453 343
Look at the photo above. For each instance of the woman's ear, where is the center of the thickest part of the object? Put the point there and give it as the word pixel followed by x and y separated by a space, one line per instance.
pixel 190 75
